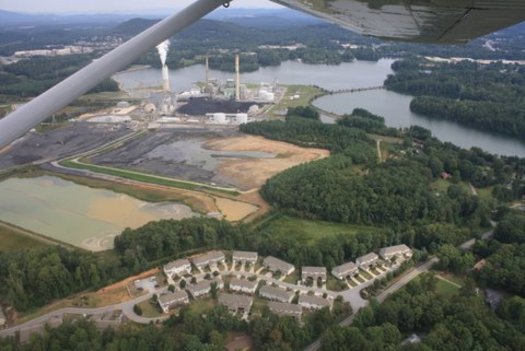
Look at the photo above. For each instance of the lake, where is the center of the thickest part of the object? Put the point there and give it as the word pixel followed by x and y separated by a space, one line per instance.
pixel 395 108
pixel 76 214
pixel 358 74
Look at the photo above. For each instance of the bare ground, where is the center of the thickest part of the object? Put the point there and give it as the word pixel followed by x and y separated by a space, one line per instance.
pixel 252 173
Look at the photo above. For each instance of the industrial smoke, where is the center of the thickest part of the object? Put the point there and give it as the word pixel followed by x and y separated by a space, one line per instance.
pixel 163 49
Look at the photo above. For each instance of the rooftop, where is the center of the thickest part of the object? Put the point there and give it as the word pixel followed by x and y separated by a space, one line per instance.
pixel 285 308
pixel 176 264
pixel 314 270
pixel 277 292
pixel 344 268
pixel 243 283
pixel 313 300
pixel 235 301
pixel 391 250
pixel 368 257
pixel 172 296
pixel 278 264
pixel 245 255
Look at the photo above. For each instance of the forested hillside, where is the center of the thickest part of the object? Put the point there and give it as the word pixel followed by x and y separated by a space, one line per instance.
pixel 351 187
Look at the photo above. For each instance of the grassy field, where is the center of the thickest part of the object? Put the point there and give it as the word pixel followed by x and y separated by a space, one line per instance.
pixel 146 178
pixel 310 231
pixel 12 238
pixel 150 310
pixel 446 289
pixel 306 95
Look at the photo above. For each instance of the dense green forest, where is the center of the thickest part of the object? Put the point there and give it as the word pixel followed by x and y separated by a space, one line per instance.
pixel 460 322
pixel 394 192
pixel 488 97
pixel 30 77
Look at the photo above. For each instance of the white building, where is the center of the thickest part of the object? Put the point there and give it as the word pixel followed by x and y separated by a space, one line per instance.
pixel 211 258
pixel 276 294
pixel 171 299
pixel 236 303
pixel 178 267
pixel 402 250
pixel 243 285
pixel 285 309
pixel 313 302
pixel 367 260
pixel 313 272
pixel 345 270
pixel 276 265
pixel 244 257
pixel 203 287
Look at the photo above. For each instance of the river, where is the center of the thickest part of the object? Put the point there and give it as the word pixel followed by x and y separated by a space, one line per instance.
pixel 358 74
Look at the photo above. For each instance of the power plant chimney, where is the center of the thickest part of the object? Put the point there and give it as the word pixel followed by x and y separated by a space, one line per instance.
pixel 207 69
pixel 165 79
pixel 237 78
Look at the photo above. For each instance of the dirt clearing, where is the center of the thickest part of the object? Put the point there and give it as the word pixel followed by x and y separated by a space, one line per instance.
pixel 251 173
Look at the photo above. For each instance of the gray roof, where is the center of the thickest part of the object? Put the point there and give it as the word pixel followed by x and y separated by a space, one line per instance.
pixel 245 255
pixel 314 270
pixel 176 264
pixel 285 308
pixel 393 250
pixel 204 259
pixel 243 283
pixel 270 291
pixel 202 285
pixel 277 264
pixel 345 268
pixel 172 297
pixel 235 301
pixel 368 257
pixel 314 300
pixel 216 255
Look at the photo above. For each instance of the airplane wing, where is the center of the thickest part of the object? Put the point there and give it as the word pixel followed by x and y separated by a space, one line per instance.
pixel 449 21
pixel 431 21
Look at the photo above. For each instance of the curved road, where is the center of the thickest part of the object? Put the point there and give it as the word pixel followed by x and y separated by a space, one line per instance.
pixel 125 307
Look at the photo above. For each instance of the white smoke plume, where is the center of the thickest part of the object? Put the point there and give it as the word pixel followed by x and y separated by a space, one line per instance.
pixel 163 49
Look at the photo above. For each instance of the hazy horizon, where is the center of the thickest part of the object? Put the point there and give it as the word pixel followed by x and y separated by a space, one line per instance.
pixel 119 6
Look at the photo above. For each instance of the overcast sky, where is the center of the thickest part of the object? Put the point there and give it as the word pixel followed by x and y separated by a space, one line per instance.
pixel 112 6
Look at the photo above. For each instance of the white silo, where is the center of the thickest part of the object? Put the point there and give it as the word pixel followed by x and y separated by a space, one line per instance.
pixel 219 118
pixel 242 118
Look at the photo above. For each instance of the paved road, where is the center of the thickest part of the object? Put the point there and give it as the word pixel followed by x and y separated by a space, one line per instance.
pixel 125 307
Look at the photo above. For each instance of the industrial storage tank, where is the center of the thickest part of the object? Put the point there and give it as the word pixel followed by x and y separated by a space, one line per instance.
pixel 219 118
pixel 242 118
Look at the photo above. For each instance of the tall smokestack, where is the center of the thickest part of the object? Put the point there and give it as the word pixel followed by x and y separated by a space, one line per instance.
pixel 166 79
pixel 207 69
pixel 237 78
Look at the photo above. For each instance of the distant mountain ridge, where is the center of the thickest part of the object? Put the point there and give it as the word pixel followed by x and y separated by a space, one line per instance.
pixel 245 17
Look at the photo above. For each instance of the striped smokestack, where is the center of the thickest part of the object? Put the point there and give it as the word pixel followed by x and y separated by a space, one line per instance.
pixel 237 78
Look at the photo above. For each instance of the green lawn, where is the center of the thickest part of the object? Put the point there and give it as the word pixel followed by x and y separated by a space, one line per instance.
pixel 310 231
pixel 14 239
pixel 149 310
pixel 446 289
pixel 293 278
pixel 442 185
pixel 306 94
pixel 201 306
